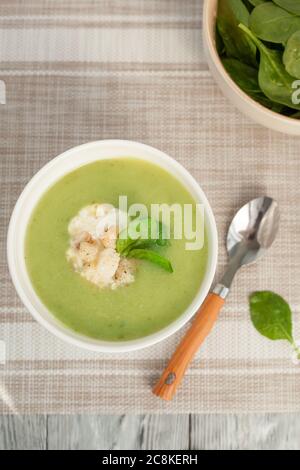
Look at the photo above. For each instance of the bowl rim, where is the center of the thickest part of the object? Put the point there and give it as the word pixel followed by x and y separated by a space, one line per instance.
pixel 15 245
pixel 207 17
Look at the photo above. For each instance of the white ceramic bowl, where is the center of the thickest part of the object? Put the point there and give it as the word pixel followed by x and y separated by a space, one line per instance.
pixel 240 99
pixel 46 177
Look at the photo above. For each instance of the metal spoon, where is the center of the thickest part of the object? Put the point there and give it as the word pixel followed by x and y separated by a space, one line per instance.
pixel 251 233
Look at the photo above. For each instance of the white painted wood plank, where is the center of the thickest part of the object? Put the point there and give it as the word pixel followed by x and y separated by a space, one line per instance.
pixel 152 432
pixel 93 432
pixel 23 432
pixel 165 432
pixel 242 432
pixel 119 433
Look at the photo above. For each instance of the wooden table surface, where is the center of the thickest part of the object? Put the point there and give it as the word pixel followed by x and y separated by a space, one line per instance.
pixel 151 432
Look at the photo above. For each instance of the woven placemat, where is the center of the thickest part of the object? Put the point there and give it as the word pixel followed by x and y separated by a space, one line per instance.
pixel 77 71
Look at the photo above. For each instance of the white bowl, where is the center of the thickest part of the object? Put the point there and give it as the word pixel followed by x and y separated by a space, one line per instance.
pixel 241 100
pixel 46 177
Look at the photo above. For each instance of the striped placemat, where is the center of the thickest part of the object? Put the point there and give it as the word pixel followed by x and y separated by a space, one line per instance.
pixel 80 70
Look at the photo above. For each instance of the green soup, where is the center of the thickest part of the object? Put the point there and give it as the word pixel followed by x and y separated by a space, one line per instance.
pixel 155 299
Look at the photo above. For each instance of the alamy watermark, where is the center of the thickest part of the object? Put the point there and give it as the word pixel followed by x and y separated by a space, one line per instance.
pixel 296 94
pixel 179 221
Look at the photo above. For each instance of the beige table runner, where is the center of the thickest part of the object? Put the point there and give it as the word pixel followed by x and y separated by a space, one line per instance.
pixel 81 70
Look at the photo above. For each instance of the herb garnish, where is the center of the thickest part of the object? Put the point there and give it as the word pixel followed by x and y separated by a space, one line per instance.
pixel 272 317
pixel 140 239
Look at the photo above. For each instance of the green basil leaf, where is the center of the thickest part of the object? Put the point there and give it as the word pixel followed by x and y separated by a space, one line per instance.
pixel 139 233
pixel 153 257
pixel 149 231
pixel 271 316
pixel 142 244
pixel 123 245
pixel 163 236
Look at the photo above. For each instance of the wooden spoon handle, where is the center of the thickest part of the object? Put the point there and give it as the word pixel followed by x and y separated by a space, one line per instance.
pixel 201 327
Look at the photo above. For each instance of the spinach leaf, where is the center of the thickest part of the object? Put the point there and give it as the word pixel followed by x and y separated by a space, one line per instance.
pixel 248 5
pixel 269 77
pixel 246 77
pixel 255 3
pixel 237 8
pixel 271 316
pixel 275 82
pixel 153 257
pixel 271 23
pixel 219 43
pixel 296 115
pixel 230 14
pixel 291 56
pixel 293 6
pixel 289 112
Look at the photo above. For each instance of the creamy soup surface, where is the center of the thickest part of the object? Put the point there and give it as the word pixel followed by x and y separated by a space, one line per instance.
pixel 155 298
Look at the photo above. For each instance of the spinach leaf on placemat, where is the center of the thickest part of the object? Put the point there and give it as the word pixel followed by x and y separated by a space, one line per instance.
pixel 271 315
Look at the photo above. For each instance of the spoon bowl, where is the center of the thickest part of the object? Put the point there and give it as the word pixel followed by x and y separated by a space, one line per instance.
pixel 254 228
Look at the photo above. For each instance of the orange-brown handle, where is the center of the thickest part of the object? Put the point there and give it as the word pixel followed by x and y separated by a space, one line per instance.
pixel 201 327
